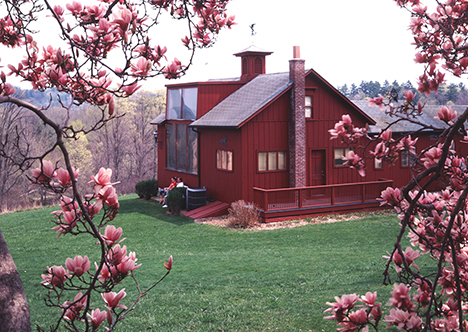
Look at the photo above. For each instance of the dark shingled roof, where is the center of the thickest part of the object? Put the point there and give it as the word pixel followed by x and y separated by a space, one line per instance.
pixel 383 120
pixel 246 101
pixel 159 119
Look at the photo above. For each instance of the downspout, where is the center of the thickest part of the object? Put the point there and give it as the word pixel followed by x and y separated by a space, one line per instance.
pixel 199 159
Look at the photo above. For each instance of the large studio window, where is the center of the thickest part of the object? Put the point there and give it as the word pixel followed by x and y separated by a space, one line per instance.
pixel 181 148
pixel 271 161
pixel 182 104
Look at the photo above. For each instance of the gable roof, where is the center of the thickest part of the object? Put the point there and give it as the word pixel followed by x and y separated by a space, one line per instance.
pixel 383 119
pixel 246 101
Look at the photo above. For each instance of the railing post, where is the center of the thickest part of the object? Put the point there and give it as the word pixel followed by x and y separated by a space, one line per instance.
pixel 332 195
pixel 300 199
pixel 363 193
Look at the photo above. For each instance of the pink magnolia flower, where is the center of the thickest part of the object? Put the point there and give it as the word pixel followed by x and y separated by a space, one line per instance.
pixel 56 277
pixel 141 67
pixel 130 89
pixel 68 223
pixel 355 320
pixel 386 136
pixel 78 266
pixel 75 8
pixel 101 180
pixel 432 156
pixel 401 297
pixel 105 273
pixel 116 254
pixel 186 41
pixel 173 70
pixel 109 196
pixel 446 114
pixel 369 299
pixel 111 105
pixel 168 264
pixel 97 317
pixel 68 204
pixel 122 18
pixel 391 196
pixel 112 235
pixel 403 320
pixel 341 306
pixel 409 96
pixel 127 265
pixel 377 101
pixel 73 308
pixel 407 144
pixel 354 161
pixel 112 299
pixel 64 177
pixel 44 173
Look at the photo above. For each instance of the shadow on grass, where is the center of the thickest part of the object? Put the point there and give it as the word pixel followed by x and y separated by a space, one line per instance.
pixel 151 208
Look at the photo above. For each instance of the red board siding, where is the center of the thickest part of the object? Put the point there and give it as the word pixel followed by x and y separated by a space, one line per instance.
pixel 210 95
pixel 220 185
pixel 268 131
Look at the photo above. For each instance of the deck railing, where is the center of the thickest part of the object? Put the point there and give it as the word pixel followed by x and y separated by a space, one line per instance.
pixel 317 196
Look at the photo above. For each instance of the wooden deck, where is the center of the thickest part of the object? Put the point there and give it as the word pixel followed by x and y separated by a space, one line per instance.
pixel 292 203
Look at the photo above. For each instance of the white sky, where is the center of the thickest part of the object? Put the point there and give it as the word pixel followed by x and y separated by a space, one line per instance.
pixel 345 41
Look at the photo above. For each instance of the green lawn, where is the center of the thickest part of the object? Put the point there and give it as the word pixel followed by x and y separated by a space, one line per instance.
pixel 222 279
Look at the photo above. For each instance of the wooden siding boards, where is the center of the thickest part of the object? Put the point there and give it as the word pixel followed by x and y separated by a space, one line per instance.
pixel 210 95
pixel 220 184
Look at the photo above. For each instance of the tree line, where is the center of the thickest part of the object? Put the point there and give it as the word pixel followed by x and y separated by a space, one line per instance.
pixel 447 94
pixel 125 144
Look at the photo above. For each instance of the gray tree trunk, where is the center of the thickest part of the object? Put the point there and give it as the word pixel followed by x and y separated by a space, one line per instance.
pixel 14 310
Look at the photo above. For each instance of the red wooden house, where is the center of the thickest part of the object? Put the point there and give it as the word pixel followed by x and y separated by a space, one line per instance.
pixel 264 138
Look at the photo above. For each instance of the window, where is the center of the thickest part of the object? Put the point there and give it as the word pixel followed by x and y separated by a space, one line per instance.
pixel 224 160
pixel 308 106
pixel 378 164
pixel 339 154
pixel 404 159
pixel 181 148
pixel 407 158
pixel 271 161
pixel 182 104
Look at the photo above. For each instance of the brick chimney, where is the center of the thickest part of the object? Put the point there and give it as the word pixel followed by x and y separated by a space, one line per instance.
pixel 297 124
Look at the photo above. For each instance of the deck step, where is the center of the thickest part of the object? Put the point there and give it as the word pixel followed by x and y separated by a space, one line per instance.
pixel 214 209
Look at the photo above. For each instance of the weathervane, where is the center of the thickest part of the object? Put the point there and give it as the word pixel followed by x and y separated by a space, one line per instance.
pixel 252 27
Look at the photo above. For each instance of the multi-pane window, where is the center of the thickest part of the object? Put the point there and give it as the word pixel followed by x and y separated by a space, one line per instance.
pixel 309 106
pixel 182 104
pixel 271 161
pixel 407 158
pixel 181 148
pixel 339 154
pixel 224 160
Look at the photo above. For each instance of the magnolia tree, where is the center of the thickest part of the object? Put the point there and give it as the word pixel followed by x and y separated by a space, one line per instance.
pixel 106 48
pixel 436 222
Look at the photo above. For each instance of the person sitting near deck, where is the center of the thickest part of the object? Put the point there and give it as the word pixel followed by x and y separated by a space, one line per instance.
pixel 163 192
pixel 180 183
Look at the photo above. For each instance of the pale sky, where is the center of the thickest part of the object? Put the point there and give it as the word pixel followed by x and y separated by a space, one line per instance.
pixel 345 41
